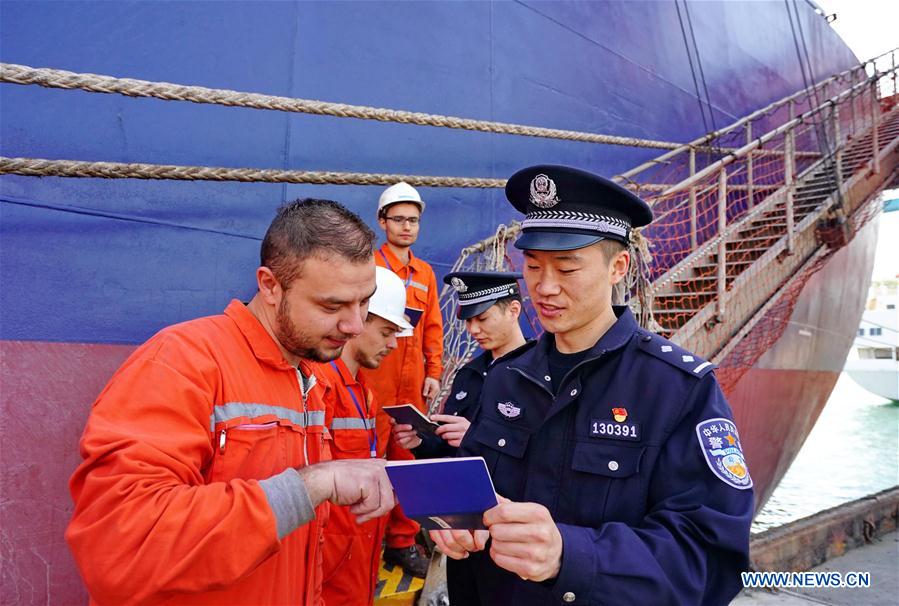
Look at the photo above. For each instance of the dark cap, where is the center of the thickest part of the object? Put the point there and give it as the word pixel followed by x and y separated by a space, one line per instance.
pixel 567 208
pixel 479 290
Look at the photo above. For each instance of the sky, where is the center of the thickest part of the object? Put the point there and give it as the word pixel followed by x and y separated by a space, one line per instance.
pixel 871 27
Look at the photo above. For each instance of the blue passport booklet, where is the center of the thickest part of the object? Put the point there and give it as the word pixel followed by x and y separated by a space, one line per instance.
pixel 444 493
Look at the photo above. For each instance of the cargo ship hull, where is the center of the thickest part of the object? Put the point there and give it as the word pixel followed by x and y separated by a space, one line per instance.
pixel 91 268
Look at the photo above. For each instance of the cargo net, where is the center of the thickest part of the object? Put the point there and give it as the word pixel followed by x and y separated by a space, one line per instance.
pixel 835 232
pixel 492 254
pixel 664 295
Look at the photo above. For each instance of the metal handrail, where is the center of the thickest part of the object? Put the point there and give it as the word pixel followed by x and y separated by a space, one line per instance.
pixel 756 114
pixel 756 143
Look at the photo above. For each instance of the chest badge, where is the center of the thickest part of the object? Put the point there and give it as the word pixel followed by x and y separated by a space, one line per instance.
pixel 720 444
pixel 508 410
pixel 461 395
pixel 619 414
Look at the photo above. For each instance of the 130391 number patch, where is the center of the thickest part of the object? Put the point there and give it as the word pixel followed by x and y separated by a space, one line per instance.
pixel 614 430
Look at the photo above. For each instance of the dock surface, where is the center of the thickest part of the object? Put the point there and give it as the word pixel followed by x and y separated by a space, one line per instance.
pixel 880 558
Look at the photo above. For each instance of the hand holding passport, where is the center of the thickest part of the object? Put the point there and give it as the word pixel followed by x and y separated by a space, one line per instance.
pixel 407 414
pixel 444 493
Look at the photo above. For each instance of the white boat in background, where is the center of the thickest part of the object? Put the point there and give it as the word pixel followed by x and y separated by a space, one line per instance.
pixel 873 362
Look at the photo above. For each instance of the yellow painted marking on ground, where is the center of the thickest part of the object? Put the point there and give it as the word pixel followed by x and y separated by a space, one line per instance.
pixel 390 580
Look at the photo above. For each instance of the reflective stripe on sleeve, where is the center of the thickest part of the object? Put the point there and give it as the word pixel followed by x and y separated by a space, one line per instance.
pixel 352 423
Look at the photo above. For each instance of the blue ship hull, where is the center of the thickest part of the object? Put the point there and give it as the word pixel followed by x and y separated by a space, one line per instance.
pixel 91 267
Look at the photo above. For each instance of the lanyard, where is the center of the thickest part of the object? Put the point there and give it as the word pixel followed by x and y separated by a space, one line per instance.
pixel 373 434
pixel 408 280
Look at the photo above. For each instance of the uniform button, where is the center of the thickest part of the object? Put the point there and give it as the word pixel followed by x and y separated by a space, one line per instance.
pixel 547 378
pixel 485 373
pixel 502 442
pixel 647 338
pixel 573 392
pixel 568 596
pixel 613 465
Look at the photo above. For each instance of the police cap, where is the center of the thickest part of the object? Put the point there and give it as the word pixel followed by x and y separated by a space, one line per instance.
pixel 567 208
pixel 479 290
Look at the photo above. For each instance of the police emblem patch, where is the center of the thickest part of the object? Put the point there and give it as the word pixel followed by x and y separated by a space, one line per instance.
pixel 459 285
pixel 543 192
pixel 619 414
pixel 508 410
pixel 720 445
pixel 461 395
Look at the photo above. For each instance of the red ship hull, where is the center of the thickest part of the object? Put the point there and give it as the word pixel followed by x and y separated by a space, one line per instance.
pixel 778 400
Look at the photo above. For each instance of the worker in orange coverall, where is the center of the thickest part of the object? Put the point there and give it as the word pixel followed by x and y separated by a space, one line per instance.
pixel 411 374
pixel 206 475
pixel 360 430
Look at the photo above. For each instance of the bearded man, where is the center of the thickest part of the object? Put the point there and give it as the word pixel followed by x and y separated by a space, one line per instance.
pixel 202 480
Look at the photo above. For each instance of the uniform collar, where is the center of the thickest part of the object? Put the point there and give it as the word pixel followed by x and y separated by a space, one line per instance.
pixel 484 361
pixel 481 363
pixel 393 262
pixel 345 375
pixel 536 358
pixel 263 344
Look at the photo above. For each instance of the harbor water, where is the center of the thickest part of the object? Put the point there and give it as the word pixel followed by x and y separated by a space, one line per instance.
pixel 853 451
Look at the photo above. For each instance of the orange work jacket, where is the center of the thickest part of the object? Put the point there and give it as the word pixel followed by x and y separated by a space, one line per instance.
pixel 169 507
pixel 401 376
pixel 358 426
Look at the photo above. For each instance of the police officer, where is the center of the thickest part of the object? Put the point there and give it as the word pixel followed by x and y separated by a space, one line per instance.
pixel 490 305
pixel 614 450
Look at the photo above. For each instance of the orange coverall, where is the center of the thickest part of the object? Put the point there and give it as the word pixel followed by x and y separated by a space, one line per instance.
pixel 352 551
pixel 187 493
pixel 401 376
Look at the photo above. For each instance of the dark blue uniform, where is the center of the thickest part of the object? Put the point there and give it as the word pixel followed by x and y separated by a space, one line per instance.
pixel 462 400
pixel 652 500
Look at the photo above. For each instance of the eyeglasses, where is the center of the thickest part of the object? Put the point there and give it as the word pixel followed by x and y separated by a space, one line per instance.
pixel 400 220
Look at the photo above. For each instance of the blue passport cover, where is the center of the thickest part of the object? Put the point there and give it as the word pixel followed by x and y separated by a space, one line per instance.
pixel 443 493
pixel 414 315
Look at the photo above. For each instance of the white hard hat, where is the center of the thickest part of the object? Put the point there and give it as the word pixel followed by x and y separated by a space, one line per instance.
pixel 400 192
pixel 389 300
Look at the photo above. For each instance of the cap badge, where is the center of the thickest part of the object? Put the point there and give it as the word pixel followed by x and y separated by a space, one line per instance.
pixel 619 414
pixel 543 192
pixel 508 410
pixel 459 285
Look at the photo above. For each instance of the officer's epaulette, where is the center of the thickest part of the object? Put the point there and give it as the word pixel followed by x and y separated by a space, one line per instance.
pixel 674 354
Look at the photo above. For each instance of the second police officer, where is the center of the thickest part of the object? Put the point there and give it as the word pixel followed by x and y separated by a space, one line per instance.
pixel 615 451
pixel 490 305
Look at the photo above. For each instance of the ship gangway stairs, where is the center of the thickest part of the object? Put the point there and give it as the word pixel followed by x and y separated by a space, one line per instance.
pixel 762 239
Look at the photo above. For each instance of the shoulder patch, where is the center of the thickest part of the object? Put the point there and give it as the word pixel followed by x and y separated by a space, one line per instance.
pixel 721 448
pixel 673 354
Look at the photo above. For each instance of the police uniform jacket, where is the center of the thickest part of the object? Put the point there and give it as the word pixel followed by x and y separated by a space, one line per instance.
pixel 643 517
pixel 462 400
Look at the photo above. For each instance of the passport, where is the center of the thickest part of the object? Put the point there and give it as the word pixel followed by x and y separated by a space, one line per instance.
pixel 407 414
pixel 444 493
pixel 414 314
